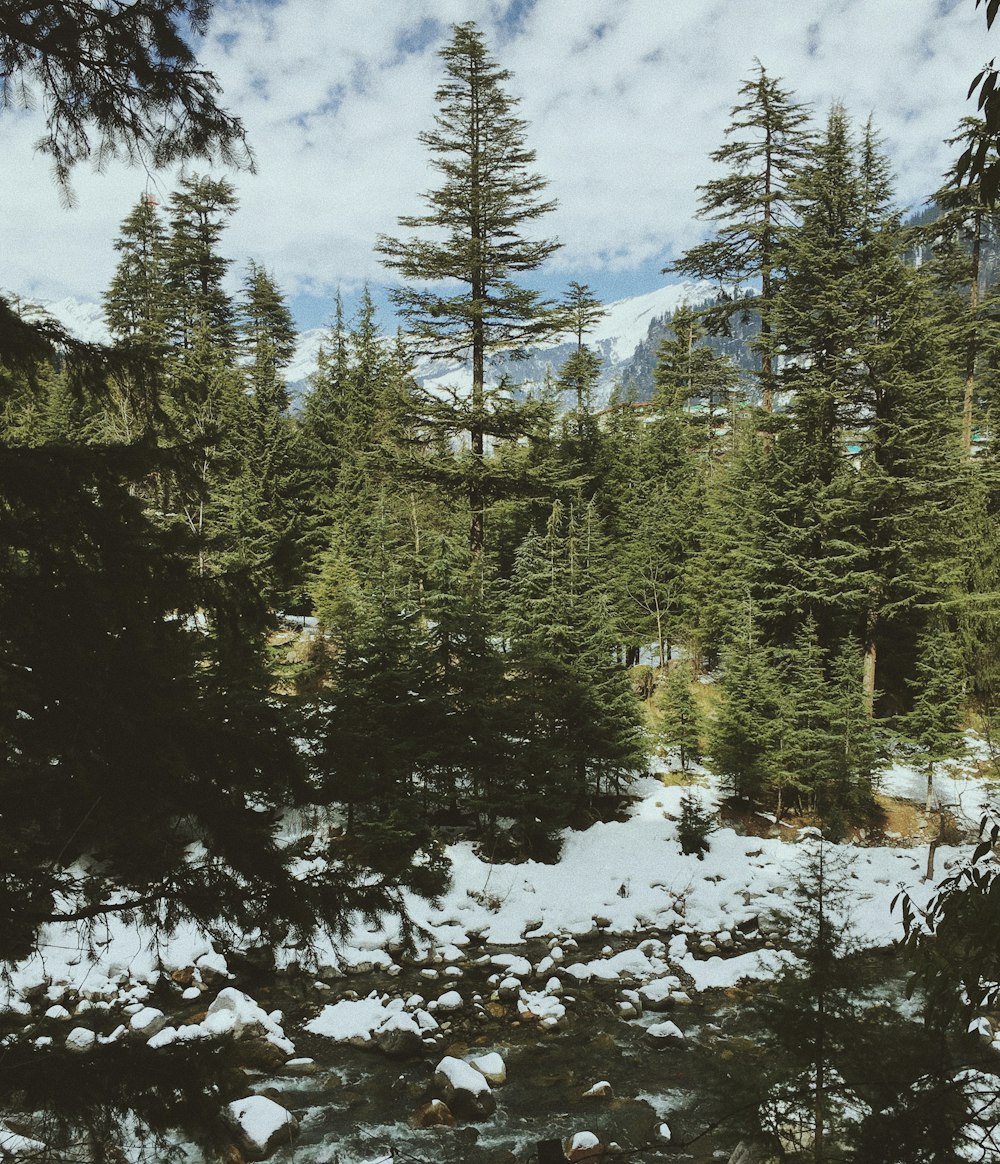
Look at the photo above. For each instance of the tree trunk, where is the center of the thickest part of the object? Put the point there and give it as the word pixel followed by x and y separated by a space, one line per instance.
pixel 971 350
pixel 869 678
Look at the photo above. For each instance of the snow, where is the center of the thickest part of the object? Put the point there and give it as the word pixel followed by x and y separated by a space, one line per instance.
pixel 260 1119
pixel 357 1021
pixel 629 875
pixel 462 1076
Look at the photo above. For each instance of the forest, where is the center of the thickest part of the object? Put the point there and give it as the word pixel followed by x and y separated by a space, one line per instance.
pixel 426 613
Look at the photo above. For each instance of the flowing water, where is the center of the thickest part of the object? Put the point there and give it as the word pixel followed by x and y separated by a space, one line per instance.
pixel 358 1107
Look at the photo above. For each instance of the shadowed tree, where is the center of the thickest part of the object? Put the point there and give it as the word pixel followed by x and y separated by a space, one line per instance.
pixel 125 73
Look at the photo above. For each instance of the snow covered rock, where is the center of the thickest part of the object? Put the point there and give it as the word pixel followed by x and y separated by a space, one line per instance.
pixel 492 1068
pixel 399 1033
pixel 435 1114
pixel 80 1040
pixel 465 1090
pixel 450 1000
pixel 600 1090
pixel 148 1021
pixel 582 1146
pixel 659 994
pixel 260 1126
pixel 664 1030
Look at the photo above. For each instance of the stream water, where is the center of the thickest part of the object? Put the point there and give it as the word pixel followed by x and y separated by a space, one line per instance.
pixel 358 1106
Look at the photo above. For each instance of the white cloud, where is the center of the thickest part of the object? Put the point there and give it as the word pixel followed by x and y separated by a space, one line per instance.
pixel 624 98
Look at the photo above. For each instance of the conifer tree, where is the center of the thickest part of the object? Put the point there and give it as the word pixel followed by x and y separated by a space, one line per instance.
pixel 680 718
pixel 743 736
pixel 933 725
pixel 967 225
pixel 259 504
pixel 474 232
pixel 135 308
pixel 768 141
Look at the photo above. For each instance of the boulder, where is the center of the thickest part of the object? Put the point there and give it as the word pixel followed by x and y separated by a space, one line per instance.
pixel 80 1040
pixel 664 1032
pixel 464 1089
pixel 601 1090
pixel 260 1126
pixel 582 1146
pixel 148 1021
pixel 435 1114
pixel 491 1067
pixel 399 1034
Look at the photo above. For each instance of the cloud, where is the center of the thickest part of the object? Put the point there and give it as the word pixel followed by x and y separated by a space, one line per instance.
pixel 625 99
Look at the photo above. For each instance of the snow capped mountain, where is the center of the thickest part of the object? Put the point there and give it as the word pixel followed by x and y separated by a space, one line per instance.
pixel 617 338
pixel 83 321
pixel 628 321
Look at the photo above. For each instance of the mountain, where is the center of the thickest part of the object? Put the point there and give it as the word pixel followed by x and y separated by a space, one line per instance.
pixel 626 339
pixel 85 321
pixel 618 338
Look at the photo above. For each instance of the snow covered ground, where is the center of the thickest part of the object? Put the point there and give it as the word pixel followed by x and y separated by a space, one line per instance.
pixel 658 925
pixel 617 878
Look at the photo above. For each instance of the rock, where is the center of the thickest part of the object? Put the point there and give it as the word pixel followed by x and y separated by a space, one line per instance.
pixel 492 1068
pixel 509 988
pixel 399 1034
pixel 582 1146
pixel 658 995
pixel 435 1114
pixel 450 1000
pixel 259 1054
pixel 514 964
pixel 260 1125
pixel 601 1090
pixel 57 1012
pixel 301 1067
pixel 664 1031
pixel 663 1133
pixel 465 1090
pixel 212 968
pixel 147 1022
pixel 184 976
pixel 80 1040
pixel 495 1010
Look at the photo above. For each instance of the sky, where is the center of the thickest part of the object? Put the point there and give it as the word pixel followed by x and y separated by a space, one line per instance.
pixel 624 100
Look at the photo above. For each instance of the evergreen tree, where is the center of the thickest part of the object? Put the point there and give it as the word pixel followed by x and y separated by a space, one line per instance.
pixel 129 73
pixel 680 718
pixel 743 736
pixel 814 1017
pixel 933 725
pixel 695 825
pixel 135 308
pixel 751 202
pixel 259 505
pixel 474 233
pixel 967 225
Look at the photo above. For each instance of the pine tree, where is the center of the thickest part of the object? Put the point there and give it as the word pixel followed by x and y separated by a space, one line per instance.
pixel 695 825
pixel 933 725
pixel 743 736
pixel 967 225
pixel 259 504
pixel 680 718
pixel 135 308
pixel 751 202
pixel 813 1016
pixel 474 232
pixel 128 73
